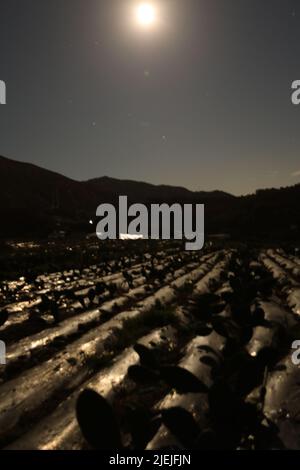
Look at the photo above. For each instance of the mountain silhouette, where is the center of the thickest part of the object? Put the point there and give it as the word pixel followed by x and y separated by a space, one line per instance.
pixel 34 201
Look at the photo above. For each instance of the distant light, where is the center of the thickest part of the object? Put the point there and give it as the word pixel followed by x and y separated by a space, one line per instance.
pixel 128 236
pixel 91 222
pixel 146 14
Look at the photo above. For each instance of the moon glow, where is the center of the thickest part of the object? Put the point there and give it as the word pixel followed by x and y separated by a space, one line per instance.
pixel 146 14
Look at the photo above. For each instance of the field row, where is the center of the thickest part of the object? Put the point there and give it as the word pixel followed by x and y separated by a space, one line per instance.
pixel 175 351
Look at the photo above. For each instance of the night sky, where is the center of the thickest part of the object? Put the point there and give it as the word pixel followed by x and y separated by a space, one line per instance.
pixel 201 98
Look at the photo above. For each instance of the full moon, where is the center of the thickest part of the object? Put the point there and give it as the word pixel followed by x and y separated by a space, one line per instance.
pixel 146 14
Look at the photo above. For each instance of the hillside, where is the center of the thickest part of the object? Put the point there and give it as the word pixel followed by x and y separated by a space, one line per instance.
pixel 35 201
